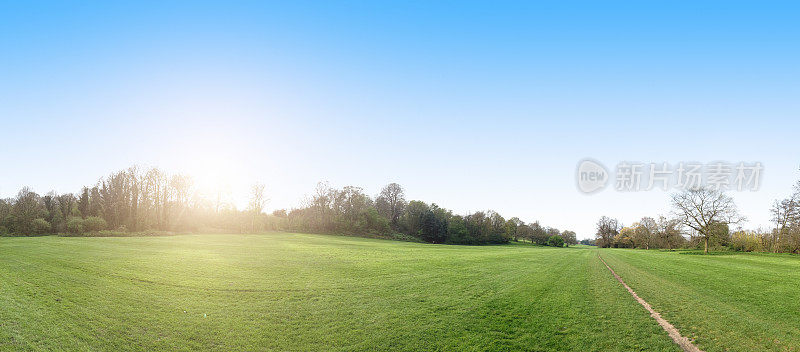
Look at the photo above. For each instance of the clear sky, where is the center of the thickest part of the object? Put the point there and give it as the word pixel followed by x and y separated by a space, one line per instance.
pixel 471 105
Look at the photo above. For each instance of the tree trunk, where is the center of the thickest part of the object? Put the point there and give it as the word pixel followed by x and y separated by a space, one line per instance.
pixel 706 251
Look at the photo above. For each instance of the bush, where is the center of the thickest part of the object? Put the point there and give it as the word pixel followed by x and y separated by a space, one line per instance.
pixel 40 226
pixel 94 223
pixel 75 225
pixel 555 241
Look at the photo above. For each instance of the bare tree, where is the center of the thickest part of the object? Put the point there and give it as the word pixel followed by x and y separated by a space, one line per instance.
pixel 705 210
pixel 644 232
pixel 182 186
pixel 668 232
pixel 257 199
pixel 257 202
pixel 784 215
pixel 607 229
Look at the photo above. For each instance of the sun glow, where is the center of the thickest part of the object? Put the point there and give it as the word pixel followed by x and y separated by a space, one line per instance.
pixel 216 168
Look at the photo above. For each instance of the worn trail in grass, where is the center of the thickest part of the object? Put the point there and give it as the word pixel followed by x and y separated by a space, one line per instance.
pixel 737 302
pixel 310 292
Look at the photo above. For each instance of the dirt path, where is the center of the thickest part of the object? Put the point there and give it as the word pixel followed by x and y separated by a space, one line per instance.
pixel 676 336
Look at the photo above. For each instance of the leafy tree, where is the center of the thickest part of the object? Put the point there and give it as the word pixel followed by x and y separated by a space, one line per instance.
pixel 83 202
pixel 27 207
pixel 624 239
pixel 570 238
pixel 5 216
pixel 434 225
pixel 39 226
pixel 96 202
pixel 391 202
pixel 75 225
pixel 497 228
pixel 538 234
pixel 457 230
pixel 719 234
pixel 512 228
pixel 66 202
pixel 525 232
pixel 555 241
pixel 350 204
pixel 94 224
pixel 134 199
pixel 50 202
pixel 414 217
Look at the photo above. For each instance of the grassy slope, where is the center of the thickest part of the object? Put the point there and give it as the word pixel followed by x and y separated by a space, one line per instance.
pixel 739 302
pixel 309 292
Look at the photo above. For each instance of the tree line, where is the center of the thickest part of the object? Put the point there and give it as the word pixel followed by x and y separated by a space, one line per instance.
pixel 702 218
pixel 128 201
pixel 138 200
pixel 349 210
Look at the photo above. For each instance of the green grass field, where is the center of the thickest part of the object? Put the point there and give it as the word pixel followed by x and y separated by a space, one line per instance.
pixel 314 292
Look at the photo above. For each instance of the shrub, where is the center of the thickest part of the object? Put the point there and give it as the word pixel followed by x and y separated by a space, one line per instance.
pixel 94 223
pixel 40 226
pixel 555 241
pixel 75 225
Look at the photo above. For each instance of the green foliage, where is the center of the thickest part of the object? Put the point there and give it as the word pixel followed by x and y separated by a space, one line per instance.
pixel 370 221
pixel 26 209
pixel 457 230
pixel 40 226
pixel 432 226
pixel 83 203
pixel 75 225
pixel 135 201
pixel 719 235
pixel 349 211
pixel 414 216
pixel 94 223
pixel 540 235
pixel 555 241
pixel 570 237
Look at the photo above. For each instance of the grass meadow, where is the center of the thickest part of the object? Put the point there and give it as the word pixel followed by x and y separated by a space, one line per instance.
pixel 299 292
pixel 730 302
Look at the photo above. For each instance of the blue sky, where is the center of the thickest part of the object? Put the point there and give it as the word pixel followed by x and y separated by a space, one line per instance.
pixel 472 105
